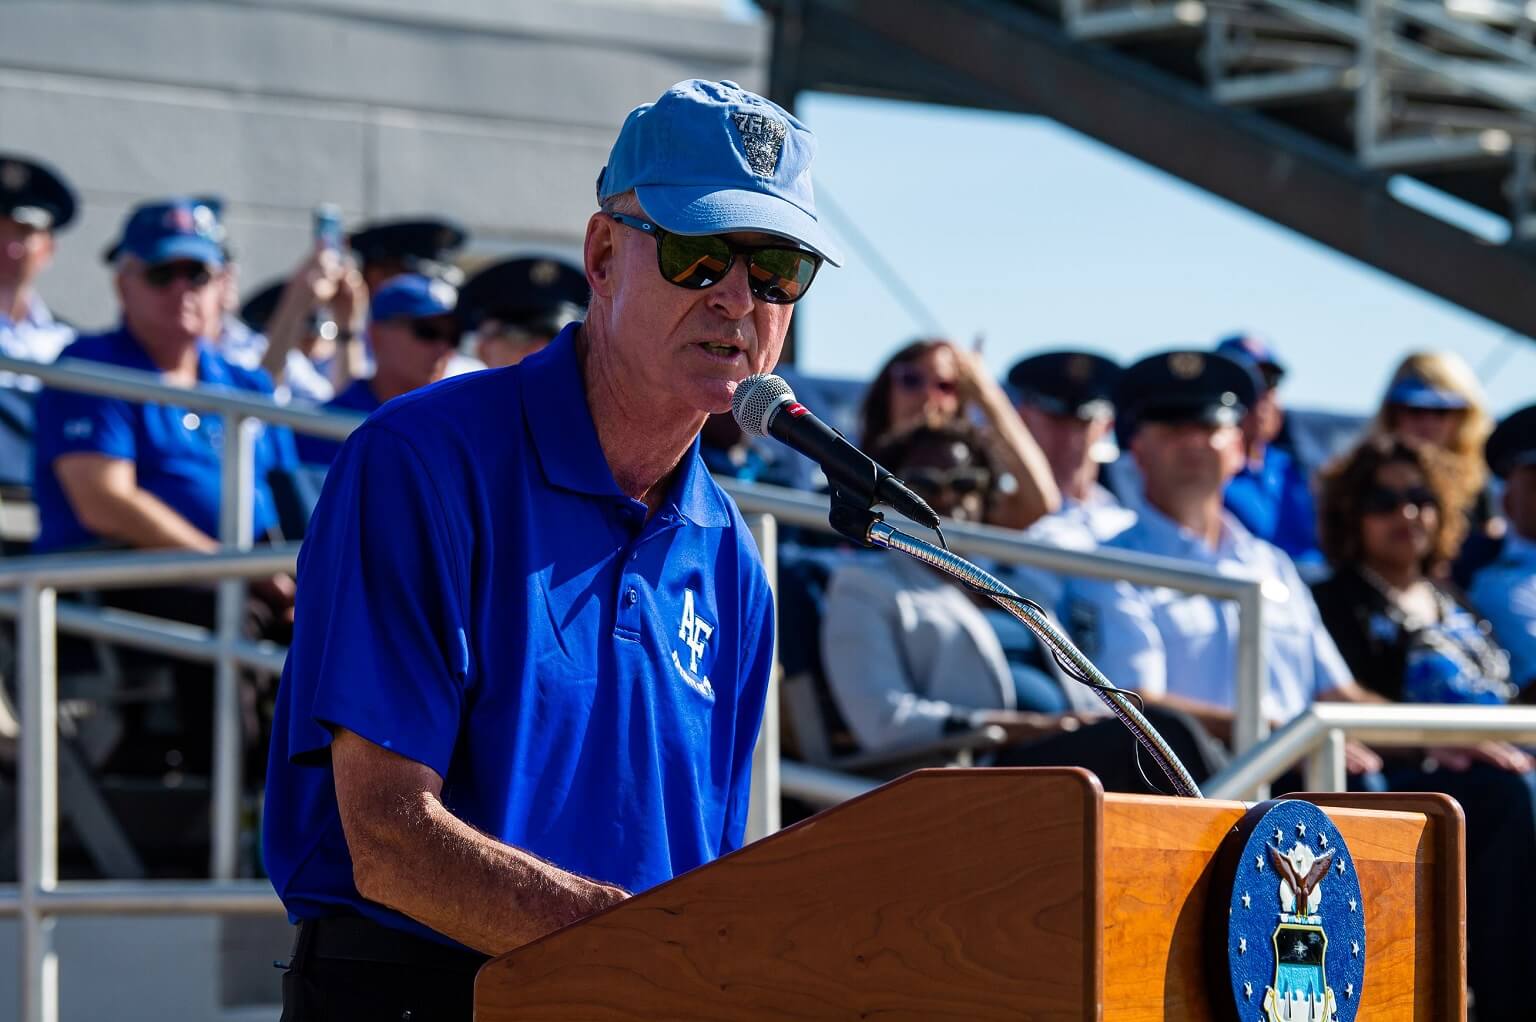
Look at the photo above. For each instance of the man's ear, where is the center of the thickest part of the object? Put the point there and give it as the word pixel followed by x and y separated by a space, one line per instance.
pixel 599 254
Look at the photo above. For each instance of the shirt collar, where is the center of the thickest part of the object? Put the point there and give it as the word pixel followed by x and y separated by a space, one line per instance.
pixel 210 367
pixel 565 439
pixel 1174 539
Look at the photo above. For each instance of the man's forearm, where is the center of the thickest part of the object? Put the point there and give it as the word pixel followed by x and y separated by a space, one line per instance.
pixel 140 519
pixel 429 865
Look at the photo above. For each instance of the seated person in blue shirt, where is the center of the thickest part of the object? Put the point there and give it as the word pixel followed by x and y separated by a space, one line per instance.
pixel 1388 523
pixel 113 472
pixel 1066 398
pixel 911 656
pixel 1270 494
pixel 1505 591
pixel 35 202
pixel 1181 412
pixel 414 334
pixel 531 672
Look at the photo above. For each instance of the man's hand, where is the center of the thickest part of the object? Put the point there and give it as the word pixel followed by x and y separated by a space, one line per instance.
pixel 1360 759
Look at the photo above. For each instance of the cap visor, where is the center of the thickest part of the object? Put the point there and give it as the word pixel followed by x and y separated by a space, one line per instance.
pixel 174 249
pixel 1426 397
pixel 693 210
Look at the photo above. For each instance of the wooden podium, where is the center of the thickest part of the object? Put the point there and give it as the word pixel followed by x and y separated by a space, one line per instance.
pixel 982 894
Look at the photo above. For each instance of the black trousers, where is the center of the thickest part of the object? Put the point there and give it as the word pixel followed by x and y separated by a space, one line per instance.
pixel 349 969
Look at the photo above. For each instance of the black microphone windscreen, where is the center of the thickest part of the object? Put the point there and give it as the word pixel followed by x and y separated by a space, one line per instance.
pixel 755 399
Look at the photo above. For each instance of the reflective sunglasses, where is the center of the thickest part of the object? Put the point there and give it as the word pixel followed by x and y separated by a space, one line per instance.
pixel 960 481
pixel 1382 500
pixel 776 274
pixel 433 333
pixel 914 380
pixel 163 276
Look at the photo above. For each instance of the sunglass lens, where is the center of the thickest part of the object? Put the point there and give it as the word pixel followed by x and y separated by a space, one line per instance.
pixel 780 276
pixel 694 262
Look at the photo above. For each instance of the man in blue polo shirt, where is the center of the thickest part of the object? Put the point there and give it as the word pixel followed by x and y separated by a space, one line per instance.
pixel 533 636
pixel 113 472
pixel 413 332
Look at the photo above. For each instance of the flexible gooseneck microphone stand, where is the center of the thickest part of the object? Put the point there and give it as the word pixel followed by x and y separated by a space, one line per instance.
pixel 868 528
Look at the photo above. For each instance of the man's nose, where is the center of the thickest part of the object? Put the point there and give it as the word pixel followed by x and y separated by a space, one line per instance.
pixel 732 297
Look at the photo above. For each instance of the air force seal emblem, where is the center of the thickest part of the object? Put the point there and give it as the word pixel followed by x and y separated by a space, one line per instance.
pixel 1293 930
pixel 762 139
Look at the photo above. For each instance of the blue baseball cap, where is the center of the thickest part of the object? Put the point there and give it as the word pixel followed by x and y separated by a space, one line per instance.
pixel 711 158
pixel 1413 391
pixel 412 296
pixel 173 229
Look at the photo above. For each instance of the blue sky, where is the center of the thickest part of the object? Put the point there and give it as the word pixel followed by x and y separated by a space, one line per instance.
pixel 1035 236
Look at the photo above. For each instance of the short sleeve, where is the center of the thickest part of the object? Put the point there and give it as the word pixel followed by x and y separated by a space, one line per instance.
pixel 74 423
pixel 757 667
pixel 381 644
pixel 1113 623
pixel 1509 604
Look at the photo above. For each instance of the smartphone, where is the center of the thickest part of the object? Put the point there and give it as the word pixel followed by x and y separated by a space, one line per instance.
pixel 328 227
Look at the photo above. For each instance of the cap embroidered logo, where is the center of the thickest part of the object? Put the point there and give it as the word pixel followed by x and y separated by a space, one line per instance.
pixel 543 273
pixel 14 176
pixel 1186 365
pixel 762 139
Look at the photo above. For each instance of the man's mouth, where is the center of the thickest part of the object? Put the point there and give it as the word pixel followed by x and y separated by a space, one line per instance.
pixel 721 349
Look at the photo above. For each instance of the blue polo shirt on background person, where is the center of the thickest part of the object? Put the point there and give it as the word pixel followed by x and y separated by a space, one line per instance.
pixel 401 310
pixel 1270 495
pixel 616 668
pixel 176 452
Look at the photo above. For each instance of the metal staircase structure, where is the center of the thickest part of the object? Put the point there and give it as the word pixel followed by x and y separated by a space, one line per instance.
pixel 1303 111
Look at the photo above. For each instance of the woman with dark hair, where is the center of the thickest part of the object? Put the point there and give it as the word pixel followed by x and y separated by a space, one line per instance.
pixel 933 381
pixel 1386 531
pixel 910 656
pixel 1389 520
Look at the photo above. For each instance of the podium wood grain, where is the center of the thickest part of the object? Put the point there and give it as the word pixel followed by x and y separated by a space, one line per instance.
pixel 985 894
pixel 925 899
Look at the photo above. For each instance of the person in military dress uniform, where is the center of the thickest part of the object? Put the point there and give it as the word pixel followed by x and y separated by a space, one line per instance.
pixel 1181 412
pixel 1066 398
pixel 517 306
pixel 35 203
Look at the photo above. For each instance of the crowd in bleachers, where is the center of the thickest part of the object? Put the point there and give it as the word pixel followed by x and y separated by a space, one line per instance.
pixel 1402 570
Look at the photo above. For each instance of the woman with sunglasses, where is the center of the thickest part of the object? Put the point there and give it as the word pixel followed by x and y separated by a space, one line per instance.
pixel 1434 398
pixel 910 656
pixel 1406 635
pixel 934 381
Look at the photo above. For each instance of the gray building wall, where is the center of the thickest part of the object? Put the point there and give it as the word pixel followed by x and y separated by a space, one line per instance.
pixel 496 112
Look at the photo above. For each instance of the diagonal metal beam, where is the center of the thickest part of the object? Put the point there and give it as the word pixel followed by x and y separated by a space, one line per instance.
pixel 997 55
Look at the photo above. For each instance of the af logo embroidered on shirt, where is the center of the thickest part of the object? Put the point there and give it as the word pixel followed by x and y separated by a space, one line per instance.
pixel 695 633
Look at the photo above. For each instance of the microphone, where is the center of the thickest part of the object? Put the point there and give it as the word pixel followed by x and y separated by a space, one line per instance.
pixel 764 405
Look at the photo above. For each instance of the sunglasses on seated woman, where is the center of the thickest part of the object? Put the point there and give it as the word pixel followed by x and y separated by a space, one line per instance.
pixel 1382 500
pixel 960 481
pixel 776 274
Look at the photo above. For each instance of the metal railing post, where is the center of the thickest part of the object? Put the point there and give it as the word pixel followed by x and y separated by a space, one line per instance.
pixel 237 486
pixel 39 815
pixel 763 816
pixel 1326 766
pixel 1251 726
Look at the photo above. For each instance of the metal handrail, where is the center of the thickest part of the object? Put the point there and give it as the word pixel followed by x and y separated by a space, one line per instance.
pixel 1009 547
pixel 1320 731
pixel 85 377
